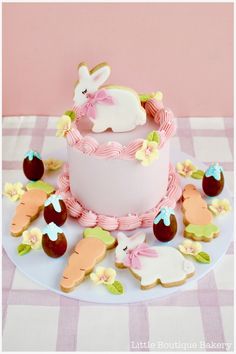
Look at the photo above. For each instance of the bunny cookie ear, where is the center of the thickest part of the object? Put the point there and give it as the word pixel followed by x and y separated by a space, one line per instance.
pixel 121 237
pixel 137 239
pixel 83 71
pixel 100 74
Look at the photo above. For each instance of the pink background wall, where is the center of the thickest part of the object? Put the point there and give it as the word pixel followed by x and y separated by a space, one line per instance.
pixel 186 50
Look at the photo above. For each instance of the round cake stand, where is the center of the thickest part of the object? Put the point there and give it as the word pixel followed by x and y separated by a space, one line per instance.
pixel 47 272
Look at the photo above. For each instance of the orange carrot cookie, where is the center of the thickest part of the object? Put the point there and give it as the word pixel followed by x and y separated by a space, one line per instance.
pixel 87 253
pixel 190 191
pixel 197 217
pixel 29 208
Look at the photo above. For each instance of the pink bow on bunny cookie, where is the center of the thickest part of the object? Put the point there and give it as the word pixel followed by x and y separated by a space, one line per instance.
pixel 132 258
pixel 88 109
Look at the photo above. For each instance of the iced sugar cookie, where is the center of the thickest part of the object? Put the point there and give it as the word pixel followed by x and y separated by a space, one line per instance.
pixel 152 265
pixel 197 216
pixel 190 191
pixel 115 107
pixel 87 253
pixel 201 232
pixel 29 208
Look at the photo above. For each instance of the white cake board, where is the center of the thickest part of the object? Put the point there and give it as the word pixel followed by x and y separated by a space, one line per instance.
pixel 47 271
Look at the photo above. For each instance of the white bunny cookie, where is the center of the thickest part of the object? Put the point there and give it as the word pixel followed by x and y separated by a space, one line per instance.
pixel 115 107
pixel 152 265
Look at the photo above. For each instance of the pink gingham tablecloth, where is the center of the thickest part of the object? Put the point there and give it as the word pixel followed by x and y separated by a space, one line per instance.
pixel 200 318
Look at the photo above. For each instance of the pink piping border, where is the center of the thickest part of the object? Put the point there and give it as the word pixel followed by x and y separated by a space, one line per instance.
pixel 90 146
pixel 87 218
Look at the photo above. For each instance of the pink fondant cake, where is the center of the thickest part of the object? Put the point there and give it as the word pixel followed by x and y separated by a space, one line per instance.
pixel 118 173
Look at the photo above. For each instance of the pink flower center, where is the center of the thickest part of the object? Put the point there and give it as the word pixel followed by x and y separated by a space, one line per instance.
pixel 66 127
pixel 148 151
pixel 33 239
pixel 187 169
pixel 104 277
pixel 220 208
pixel 13 192
pixel 189 249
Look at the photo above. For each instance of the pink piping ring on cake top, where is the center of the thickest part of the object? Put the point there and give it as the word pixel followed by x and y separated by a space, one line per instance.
pixel 88 218
pixel 90 146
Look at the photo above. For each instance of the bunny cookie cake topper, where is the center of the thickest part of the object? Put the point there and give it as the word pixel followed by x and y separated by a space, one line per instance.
pixel 152 264
pixel 115 107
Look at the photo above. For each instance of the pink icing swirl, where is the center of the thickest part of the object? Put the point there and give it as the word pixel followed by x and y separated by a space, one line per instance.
pixel 153 106
pixel 73 136
pixel 130 150
pixel 109 150
pixel 167 122
pixel 88 219
pixel 64 194
pixel 162 136
pixel 76 109
pixel 108 222
pixel 88 145
pixel 63 182
pixel 173 190
pixel 65 168
pixel 74 208
pixel 147 219
pixel 129 222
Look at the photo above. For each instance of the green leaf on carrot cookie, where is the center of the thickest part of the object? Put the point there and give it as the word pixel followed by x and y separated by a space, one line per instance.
pixel 207 231
pixel 101 234
pixel 46 187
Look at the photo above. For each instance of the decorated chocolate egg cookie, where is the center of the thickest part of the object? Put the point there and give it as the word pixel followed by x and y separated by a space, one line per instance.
pixel 213 180
pixel 33 166
pixel 55 210
pixel 165 225
pixel 54 242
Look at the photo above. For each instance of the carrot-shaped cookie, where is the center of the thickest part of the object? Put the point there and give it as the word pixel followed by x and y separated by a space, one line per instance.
pixel 197 217
pixel 87 253
pixel 29 208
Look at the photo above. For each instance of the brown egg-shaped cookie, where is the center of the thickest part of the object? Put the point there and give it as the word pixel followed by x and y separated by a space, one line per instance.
pixel 213 180
pixel 55 210
pixel 54 242
pixel 33 166
pixel 165 225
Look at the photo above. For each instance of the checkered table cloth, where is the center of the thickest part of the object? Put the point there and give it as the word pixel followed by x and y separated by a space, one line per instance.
pixel 201 318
